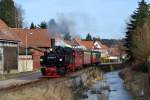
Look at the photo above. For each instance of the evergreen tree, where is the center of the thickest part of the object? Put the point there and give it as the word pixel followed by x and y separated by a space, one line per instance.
pixel 8 12
pixel 43 25
pixel 32 26
pixel 138 18
pixel 88 37
pixel 96 39
pixel 67 37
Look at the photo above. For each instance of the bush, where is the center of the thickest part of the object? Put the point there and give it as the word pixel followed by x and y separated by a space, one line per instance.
pixel 143 67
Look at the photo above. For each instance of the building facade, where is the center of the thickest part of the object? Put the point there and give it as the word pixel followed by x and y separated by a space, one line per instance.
pixel 8 57
pixel 8 50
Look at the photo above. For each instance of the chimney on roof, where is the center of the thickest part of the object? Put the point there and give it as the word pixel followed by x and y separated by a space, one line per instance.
pixel 52 42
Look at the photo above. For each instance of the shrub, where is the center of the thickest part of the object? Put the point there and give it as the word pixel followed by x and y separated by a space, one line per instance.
pixel 143 67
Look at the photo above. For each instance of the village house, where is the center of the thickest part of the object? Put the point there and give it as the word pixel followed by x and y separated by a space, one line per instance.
pixel 104 49
pixel 8 50
pixel 117 55
pixel 35 40
pixel 24 46
pixel 95 46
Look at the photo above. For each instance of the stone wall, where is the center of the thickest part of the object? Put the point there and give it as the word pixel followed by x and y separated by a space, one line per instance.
pixel 52 89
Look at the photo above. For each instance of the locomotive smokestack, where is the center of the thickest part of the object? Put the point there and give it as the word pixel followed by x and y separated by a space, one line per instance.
pixel 52 42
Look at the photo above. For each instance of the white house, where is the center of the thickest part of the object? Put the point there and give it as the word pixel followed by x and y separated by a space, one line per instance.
pixel 102 48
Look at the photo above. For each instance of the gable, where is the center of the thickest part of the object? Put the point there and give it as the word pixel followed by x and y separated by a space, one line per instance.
pixel 97 45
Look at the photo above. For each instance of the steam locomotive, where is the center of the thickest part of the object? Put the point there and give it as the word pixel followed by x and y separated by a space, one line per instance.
pixel 58 61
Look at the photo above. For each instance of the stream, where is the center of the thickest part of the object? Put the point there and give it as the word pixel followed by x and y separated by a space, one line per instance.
pixel 110 88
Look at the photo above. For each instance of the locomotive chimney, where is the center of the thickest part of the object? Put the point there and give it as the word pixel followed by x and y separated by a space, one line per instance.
pixel 52 42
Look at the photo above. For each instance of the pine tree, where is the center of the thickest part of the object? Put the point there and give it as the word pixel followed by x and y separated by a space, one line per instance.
pixel 8 12
pixel 138 18
pixel 43 25
pixel 88 37
pixel 32 26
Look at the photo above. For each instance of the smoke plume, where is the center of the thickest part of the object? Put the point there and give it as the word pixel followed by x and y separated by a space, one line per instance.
pixel 61 26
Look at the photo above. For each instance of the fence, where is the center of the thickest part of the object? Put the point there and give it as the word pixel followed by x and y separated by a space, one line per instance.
pixel 25 63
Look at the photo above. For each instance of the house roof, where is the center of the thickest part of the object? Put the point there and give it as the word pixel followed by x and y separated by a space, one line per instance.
pixel 35 37
pixel 103 46
pixel 37 49
pixel 114 52
pixel 3 25
pixel 77 41
pixel 6 34
pixel 88 44
pixel 22 51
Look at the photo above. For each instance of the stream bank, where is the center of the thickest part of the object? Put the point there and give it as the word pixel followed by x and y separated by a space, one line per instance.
pixel 53 89
pixel 136 82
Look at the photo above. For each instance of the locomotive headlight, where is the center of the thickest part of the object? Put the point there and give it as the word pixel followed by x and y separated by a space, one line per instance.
pixel 41 59
pixel 51 49
pixel 60 59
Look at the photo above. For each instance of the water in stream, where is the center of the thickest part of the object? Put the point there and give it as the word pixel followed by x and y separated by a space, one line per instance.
pixel 111 88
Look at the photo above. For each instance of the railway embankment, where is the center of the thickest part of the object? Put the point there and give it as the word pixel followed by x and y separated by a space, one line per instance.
pixel 136 82
pixel 52 89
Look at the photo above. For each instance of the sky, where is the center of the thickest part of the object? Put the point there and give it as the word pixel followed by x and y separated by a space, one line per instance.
pixel 100 18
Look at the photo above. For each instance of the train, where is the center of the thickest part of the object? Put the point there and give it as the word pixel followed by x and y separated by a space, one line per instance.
pixel 58 61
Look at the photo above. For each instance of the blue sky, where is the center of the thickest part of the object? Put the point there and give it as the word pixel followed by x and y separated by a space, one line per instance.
pixel 101 18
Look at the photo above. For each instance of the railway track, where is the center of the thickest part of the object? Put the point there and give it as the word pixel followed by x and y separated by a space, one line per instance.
pixel 36 78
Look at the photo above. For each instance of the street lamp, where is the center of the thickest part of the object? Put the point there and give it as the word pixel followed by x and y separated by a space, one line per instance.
pixel 27 47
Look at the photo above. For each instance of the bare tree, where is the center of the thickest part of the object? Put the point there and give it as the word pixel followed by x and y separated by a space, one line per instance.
pixel 19 16
pixel 141 41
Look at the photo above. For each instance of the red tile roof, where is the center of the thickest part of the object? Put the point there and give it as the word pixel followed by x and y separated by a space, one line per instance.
pixel 35 37
pixel 88 44
pixel 77 41
pixel 103 46
pixel 6 34
pixel 3 25
pixel 114 52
